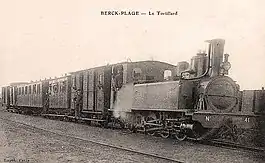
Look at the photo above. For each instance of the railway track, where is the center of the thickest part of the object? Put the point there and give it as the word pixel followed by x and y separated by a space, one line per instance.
pixel 223 144
pixel 229 145
pixel 234 146
pixel 54 133
pixel 216 143
pixel 219 143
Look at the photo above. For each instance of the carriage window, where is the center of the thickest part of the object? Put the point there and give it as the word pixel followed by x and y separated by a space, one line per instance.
pixel 26 90
pixel 11 95
pixel 60 86
pixel 50 88
pixel 34 89
pixel 3 93
pixel 63 86
pixel 100 79
pixel 55 88
pixel 22 90
pixel 167 75
pixel 74 81
pixel 38 89
pixel 137 72
pixel 30 89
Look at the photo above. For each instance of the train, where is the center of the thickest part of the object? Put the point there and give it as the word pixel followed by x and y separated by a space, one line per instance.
pixel 196 100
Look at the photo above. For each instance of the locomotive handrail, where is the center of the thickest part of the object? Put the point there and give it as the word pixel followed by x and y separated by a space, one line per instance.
pixel 145 81
pixel 221 95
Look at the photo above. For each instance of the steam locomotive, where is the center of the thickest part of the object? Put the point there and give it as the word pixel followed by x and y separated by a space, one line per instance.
pixel 196 100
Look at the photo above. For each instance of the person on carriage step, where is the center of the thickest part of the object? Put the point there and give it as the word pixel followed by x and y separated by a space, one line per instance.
pixel 78 104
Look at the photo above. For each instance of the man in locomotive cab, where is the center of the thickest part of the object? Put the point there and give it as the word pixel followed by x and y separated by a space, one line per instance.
pixel 78 102
pixel 117 81
pixel 118 77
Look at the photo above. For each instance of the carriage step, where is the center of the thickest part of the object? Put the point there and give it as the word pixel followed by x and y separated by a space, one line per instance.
pixel 53 115
pixel 91 112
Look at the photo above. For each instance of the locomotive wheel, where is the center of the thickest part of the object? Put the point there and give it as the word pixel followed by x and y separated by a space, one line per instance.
pixel 151 117
pixel 164 133
pixel 131 128
pixel 104 124
pixel 139 119
pixel 180 136
pixel 151 133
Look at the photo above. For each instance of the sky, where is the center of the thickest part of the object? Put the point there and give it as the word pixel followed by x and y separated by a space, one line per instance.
pixel 47 38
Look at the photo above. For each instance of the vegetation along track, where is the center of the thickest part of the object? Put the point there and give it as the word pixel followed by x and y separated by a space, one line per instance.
pixel 234 145
pixel 54 134
pixel 230 145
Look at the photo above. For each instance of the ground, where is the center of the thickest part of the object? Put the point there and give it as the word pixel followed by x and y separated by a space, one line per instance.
pixel 20 143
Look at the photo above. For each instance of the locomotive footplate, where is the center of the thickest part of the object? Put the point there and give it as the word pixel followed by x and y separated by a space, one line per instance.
pixel 215 120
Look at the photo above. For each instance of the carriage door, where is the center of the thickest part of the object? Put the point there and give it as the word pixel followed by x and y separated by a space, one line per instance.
pixel 15 95
pixel 77 83
pixel 7 96
pixel 11 95
pixel 117 82
pixel 80 87
pixel 99 91
pixel 107 87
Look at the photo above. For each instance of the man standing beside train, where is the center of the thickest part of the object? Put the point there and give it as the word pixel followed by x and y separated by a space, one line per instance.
pixel 78 101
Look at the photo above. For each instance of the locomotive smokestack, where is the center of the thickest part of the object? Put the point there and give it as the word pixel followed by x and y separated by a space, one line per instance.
pixel 216 52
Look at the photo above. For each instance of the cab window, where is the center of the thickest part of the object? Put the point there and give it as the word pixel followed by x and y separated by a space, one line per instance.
pixel 137 72
pixel 167 74
pixel 100 79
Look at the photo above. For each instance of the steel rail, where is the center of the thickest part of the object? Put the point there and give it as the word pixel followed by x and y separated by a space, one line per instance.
pixel 95 142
